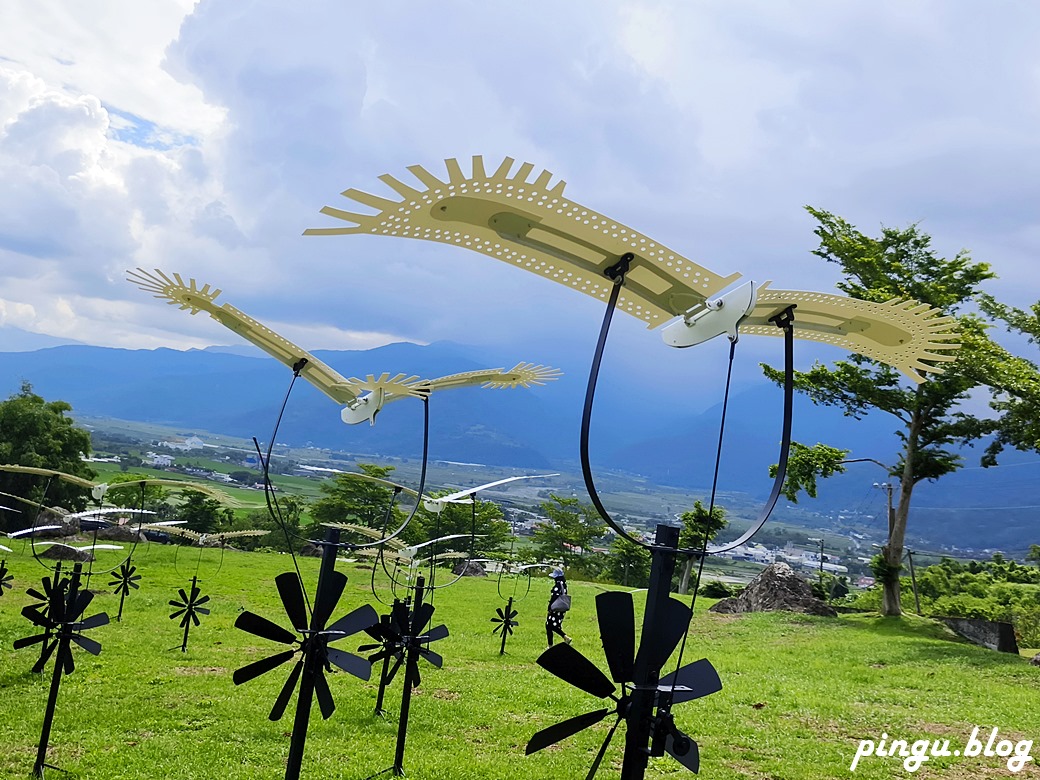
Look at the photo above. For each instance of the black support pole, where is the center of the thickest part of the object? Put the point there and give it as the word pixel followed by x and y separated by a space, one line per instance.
pixel 640 712
pixel 411 665
pixel 506 625
pixel 310 667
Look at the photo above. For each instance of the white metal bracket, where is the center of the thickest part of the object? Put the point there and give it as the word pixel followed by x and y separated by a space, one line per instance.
pixel 712 318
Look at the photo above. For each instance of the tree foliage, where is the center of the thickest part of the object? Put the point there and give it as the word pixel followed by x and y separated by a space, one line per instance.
pixel 481 525
pixel 699 526
pixel 346 499
pixel 204 514
pixel 807 464
pixel 570 530
pixel 628 564
pixel 35 432
pixel 929 417
pixel 1018 399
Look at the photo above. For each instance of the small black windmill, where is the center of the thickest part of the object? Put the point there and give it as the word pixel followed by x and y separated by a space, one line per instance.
pixel 54 587
pixel 385 632
pixel 312 640
pixel 188 608
pixel 405 638
pixel 123 580
pixel 62 624
pixel 5 575
pixel 506 616
pixel 189 601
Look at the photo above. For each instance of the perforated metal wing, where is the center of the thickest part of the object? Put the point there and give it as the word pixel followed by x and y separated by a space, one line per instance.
pixel 532 225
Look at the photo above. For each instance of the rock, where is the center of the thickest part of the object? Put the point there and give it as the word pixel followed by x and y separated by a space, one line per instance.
pixel 61 553
pixel 311 550
pixel 470 569
pixel 1035 660
pixel 120 533
pixel 776 589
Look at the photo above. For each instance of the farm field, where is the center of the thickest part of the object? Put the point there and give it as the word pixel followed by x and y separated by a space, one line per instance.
pixel 800 692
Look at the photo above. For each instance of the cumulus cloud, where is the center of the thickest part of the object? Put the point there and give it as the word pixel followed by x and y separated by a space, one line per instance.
pixel 226 126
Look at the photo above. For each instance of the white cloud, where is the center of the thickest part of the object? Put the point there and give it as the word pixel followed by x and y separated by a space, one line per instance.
pixel 207 146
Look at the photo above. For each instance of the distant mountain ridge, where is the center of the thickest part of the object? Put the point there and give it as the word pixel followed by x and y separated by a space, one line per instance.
pixel 222 391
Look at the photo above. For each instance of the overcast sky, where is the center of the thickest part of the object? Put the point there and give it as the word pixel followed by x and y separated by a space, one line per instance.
pixel 203 138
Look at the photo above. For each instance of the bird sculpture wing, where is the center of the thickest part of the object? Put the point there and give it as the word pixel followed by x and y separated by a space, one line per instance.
pixel 531 224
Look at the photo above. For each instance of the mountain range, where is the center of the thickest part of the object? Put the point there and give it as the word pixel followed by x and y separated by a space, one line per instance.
pixel 238 392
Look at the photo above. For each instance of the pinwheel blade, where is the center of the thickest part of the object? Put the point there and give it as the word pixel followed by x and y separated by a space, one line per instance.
pixel 433 658
pixel 692 681
pixel 602 751
pixel 672 623
pixel 45 656
pixel 286 693
pixel 203 600
pixel 360 619
pixel 500 613
pixel 684 750
pixel 201 611
pixel 83 599
pixel 617 629
pixel 393 669
pixel 33 614
pixel 65 659
pixel 291 592
pixel 421 618
pixel 399 617
pixel 100 619
pixel 30 640
pixel 563 729
pixel 329 598
pixel 255 669
pixel 571 666
pixel 88 644
pixel 324 695
pixel 264 628
pixel 350 663
pixel 435 633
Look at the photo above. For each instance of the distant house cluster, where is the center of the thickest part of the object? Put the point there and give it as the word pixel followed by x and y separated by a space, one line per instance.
pixel 184 445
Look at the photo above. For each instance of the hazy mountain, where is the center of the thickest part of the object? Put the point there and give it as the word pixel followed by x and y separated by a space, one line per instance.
pixel 222 391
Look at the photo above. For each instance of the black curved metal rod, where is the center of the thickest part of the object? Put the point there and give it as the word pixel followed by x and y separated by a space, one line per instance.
pixel 783 320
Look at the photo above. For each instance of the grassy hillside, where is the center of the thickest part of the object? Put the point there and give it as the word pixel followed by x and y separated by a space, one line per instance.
pixel 800 693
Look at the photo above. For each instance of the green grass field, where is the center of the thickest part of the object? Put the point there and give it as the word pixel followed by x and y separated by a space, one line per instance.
pixel 800 692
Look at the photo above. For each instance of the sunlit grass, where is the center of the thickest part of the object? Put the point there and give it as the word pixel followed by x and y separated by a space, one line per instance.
pixel 799 694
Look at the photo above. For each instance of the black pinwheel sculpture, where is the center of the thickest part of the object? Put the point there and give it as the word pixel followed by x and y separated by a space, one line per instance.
pixel 123 580
pixel 315 657
pixel 189 607
pixel 616 617
pixel 5 578
pixel 54 591
pixel 310 644
pixel 63 623
pixel 405 638
pixel 506 622
pixel 387 633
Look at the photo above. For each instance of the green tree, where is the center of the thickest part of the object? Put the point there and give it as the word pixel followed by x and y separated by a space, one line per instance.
pixel 130 496
pixel 347 499
pixel 483 518
pixel 901 263
pixel 1033 556
pixel 37 433
pixel 628 563
pixel 204 514
pixel 698 527
pixel 1018 398
pixel 571 528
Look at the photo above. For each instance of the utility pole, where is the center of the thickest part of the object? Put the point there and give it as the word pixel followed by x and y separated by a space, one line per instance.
pixel 820 540
pixel 913 580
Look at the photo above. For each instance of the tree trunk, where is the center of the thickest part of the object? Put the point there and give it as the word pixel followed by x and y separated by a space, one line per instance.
pixel 891 605
pixel 684 580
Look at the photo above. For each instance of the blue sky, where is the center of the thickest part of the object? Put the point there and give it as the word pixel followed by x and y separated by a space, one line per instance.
pixel 203 138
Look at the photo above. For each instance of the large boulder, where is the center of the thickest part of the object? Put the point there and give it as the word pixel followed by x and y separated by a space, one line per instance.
pixel 776 589
pixel 60 552
pixel 470 569
pixel 121 533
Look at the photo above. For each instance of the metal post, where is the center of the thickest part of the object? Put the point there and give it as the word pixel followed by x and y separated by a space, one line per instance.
pixel 385 620
pixel 411 659
pixel 913 581
pixel 640 711
pixel 310 666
